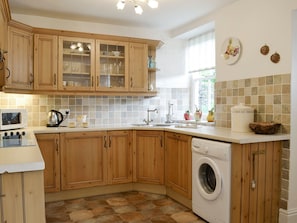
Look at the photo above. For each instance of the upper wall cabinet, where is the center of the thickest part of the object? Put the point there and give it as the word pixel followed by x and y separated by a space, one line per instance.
pixel 111 66
pixel 45 62
pixel 76 64
pixel 138 70
pixel 19 74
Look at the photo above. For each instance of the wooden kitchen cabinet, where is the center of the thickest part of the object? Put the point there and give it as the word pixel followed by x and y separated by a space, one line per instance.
pixel 95 158
pixel 45 62
pixel 22 197
pixel 178 163
pixel 76 64
pixel 111 65
pixel 119 157
pixel 3 40
pixel 83 159
pixel 149 152
pixel 20 58
pixel 50 150
pixel 255 182
pixel 138 69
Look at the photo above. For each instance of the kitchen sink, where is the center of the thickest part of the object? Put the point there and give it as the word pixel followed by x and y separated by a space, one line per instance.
pixel 188 125
pixel 152 124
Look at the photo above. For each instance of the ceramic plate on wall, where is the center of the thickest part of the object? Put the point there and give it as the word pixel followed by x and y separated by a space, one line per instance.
pixel 231 50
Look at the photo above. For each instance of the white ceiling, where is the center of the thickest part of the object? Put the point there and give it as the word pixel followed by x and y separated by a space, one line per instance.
pixel 170 15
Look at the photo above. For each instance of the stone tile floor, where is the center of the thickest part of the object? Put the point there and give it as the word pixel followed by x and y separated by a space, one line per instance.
pixel 127 207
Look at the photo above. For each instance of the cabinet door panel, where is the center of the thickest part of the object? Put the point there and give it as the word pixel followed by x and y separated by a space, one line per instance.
pixel 49 147
pixel 45 62
pixel 178 163
pixel 20 59
pixel 76 64
pixel 149 150
pixel 138 70
pixel 120 157
pixel 255 182
pixel 111 65
pixel 13 199
pixel 83 160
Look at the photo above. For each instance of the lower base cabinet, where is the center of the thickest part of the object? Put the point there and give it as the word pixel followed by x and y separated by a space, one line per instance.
pixel 255 183
pixel 149 154
pixel 178 163
pixel 85 159
pixel 22 197
pixel 49 145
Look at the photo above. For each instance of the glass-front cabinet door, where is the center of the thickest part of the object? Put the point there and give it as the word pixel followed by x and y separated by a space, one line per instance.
pixel 111 65
pixel 76 64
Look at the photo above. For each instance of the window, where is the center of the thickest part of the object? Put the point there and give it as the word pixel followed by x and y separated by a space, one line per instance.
pixel 201 67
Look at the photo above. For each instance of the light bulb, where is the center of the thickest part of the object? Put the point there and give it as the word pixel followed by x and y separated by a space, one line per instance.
pixel 72 46
pixel 121 4
pixel 138 9
pixel 153 4
pixel 80 49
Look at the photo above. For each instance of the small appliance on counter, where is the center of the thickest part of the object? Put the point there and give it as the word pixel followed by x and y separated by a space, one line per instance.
pixel 15 118
pixel 241 117
pixel 55 118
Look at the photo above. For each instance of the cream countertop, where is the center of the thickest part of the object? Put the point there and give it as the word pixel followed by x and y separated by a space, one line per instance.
pixel 209 132
pixel 29 158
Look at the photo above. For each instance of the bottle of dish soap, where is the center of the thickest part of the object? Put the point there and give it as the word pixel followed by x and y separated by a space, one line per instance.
pixel 210 116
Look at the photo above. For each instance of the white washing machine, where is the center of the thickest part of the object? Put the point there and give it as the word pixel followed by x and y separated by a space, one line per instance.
pixel 211 180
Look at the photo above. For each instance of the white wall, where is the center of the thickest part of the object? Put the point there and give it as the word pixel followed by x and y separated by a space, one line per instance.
pixel 255 23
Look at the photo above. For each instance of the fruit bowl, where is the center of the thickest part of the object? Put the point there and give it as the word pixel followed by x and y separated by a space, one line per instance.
pixel 264 127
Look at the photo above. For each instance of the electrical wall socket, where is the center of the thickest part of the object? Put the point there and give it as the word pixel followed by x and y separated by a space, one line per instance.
pixel 65 111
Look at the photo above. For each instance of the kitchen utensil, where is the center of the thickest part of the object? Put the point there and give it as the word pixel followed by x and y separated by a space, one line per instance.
pixel 55 118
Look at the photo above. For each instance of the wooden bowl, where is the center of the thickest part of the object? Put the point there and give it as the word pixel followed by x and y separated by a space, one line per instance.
pixel 264 127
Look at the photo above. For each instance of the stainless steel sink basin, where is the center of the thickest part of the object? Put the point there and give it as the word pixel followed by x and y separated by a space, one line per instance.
pixel 189 125
pixel 152 125
pixel 161 124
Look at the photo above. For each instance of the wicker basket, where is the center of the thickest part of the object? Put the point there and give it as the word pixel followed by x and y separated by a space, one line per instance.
pixel 264 127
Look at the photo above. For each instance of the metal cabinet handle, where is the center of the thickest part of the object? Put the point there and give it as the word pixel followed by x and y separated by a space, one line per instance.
pixel 8 73
pixel 57 146
pixel 253 183
pixel 109 141
pixel 105 142
pixel 55 78
pixel 31 79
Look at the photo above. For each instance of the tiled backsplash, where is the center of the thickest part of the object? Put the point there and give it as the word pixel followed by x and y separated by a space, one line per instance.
pixel 269 96
pixel 99 109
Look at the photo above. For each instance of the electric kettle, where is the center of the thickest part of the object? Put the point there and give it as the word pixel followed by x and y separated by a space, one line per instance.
pixel 55 118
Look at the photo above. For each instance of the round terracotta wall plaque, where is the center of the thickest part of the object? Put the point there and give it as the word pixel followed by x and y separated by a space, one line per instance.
pixel 275 58
pixel 264 50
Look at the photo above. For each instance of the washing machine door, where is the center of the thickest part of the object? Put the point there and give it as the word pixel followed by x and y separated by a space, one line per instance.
pixel 209 178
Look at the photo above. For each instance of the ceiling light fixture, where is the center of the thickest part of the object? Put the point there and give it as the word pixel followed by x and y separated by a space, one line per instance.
pixel 137 5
